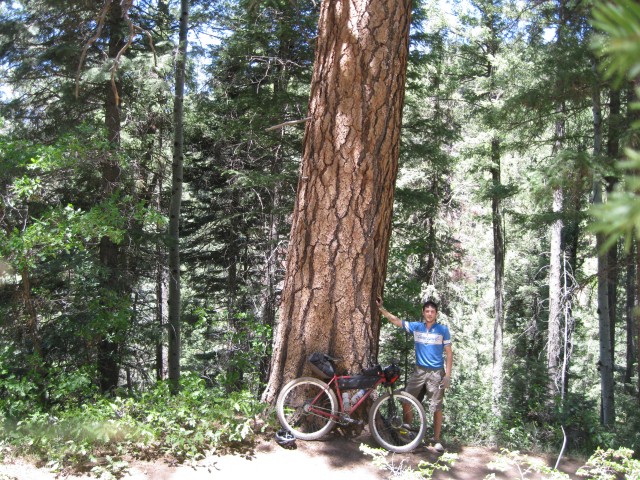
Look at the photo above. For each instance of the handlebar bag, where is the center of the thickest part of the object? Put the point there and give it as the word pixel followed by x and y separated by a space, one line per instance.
pixel 391 373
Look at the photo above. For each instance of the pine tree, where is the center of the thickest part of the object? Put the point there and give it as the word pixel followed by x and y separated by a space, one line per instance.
pixel 341 222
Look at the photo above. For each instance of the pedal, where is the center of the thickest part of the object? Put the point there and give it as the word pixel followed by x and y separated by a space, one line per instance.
pixel 345 419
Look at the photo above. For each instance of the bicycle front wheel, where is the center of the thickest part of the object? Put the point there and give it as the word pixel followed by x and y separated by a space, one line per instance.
pixel 398 422
pixel 305 407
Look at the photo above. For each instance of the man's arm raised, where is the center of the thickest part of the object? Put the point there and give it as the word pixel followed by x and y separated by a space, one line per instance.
pixel 386 314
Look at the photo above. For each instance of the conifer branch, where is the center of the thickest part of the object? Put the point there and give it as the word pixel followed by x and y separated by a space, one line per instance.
pixel 284 124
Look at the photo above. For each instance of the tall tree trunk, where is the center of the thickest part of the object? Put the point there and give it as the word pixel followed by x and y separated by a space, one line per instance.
pixel 605 364
pixel 108 348
pixel 556 264
pixel 498 284
pixel 161 312
pixel 176 201
pixel 604 301
pixel 637 319
pixel 162 286
pixel 554 342
pixel 634 143
pixel 571 243
pixel 273 260
pixel 613 152
pixel 342 219
pixel 629 315
pixel 274 219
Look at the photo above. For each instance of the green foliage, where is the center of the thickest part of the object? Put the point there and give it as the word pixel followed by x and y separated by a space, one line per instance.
pixel 468 416
pixel 55 227
pixel 579 416
pixel 619 47
pixel 525 467
pixel 603 465
pixel 209 334
pixel 156 423
pixel 18 393
pixel 611 464
pixel 425 470
pixel 26 387
pixel 620 42
pixel 619 217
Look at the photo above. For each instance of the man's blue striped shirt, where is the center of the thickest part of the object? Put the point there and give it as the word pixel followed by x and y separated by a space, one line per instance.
pixel 429 343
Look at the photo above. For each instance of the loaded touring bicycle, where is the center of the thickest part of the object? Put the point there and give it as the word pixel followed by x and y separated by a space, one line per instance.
pixel 309 407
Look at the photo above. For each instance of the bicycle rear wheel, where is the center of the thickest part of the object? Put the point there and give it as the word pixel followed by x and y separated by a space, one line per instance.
pixel 397 422
pixel 304 406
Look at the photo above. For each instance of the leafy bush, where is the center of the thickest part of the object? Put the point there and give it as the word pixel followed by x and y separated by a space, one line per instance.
pixel 525 466
pixel 627 432
pixel 468 415
pixel 425 469
pixel 185 426
pixel 611 464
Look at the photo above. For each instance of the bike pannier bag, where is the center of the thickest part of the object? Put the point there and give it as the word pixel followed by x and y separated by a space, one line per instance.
pixel 322 365
pixel 357 381
pixel 391 373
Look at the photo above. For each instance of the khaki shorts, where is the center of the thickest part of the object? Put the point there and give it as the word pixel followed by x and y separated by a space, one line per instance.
pixel 427 381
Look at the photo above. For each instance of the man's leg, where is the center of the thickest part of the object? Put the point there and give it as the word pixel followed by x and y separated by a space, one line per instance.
pixel 415 385
pixel 435 395
pixel 437 425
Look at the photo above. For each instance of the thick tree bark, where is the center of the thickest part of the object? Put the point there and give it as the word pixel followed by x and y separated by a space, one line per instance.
pixel 342 219
pixel 176 201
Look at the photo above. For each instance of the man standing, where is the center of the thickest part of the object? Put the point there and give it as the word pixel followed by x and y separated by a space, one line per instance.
pixel 432 344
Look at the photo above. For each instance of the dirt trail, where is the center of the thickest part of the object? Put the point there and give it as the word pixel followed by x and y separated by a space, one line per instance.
pixel 333 458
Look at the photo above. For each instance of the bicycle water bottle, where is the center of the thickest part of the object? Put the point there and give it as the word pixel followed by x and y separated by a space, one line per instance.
pixel 358 396
pixel 345 402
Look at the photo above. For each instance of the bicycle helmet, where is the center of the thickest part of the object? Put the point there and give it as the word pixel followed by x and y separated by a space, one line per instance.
pixel 285 438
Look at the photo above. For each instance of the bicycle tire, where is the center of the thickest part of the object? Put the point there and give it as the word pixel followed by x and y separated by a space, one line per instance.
pixel 292 407
pixel 391 428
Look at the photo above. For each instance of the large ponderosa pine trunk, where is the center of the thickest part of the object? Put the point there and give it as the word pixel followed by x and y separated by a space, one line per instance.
pixel 342 219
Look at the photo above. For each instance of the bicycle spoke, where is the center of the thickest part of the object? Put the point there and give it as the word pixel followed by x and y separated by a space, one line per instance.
pixel 397 422
pixel 305 407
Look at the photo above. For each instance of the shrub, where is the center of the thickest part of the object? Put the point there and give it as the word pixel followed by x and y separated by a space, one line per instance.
pixel 185 426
